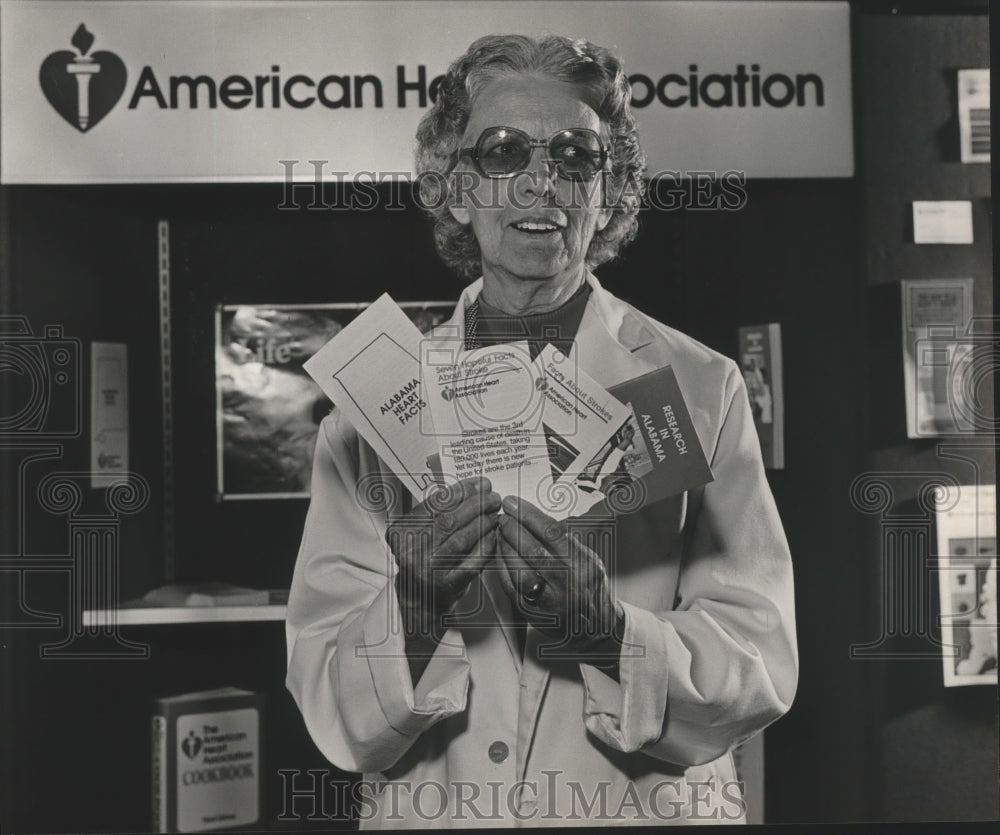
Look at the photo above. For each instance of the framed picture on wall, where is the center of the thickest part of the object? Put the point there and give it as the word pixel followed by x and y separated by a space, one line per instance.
pixel 938 356
pixel 268 409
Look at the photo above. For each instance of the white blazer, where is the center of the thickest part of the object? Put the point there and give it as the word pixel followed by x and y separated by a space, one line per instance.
pixel 705 580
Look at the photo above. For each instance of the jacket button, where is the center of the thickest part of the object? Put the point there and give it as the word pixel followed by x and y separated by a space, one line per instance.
pixel 499 751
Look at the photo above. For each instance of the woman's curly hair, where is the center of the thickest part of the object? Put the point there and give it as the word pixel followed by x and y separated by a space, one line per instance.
pixel 602 83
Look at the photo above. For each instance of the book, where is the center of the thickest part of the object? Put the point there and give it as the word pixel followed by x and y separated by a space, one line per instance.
pixel 760 361
pixel 207 760
pixel 206 594
pixel 655 454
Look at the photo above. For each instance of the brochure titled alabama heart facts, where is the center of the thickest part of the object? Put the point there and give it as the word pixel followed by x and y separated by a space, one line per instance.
pixel 371 371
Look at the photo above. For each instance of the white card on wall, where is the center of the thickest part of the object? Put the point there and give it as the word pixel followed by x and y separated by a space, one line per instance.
pixel 108 412
pixel 942 221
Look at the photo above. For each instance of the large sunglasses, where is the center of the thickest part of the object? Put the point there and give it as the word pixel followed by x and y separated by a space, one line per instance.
pixel 578 153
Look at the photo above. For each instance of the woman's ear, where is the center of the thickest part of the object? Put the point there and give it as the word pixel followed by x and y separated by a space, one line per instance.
pixel 460 213
pixel 456 199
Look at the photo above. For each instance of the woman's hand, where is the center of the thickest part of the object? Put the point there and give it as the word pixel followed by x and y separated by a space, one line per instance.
pixel 440 546
pixel 560 586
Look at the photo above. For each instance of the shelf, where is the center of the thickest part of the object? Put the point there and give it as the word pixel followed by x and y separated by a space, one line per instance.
pixel 97 618
pixel 135 612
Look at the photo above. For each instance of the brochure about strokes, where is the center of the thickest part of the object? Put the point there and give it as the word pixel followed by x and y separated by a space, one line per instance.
pixel 524 424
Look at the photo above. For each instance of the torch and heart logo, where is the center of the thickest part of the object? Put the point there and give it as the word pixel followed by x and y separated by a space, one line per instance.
pixel 83 88
pixel 191 745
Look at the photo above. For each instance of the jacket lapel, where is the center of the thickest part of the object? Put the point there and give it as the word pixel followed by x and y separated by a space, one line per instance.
pixel 608 338
pixel 504 612
pixel 534 682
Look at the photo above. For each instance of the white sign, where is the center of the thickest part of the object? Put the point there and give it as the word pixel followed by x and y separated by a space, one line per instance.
pixel 106 92
pixel 942 221
pixel 974 115
pixel 108 413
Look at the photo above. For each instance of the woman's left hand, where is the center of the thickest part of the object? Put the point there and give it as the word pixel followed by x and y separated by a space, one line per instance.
pixel 558 583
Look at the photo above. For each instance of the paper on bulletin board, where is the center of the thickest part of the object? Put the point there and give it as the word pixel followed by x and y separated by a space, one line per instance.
pixel 108 413
pixel 974 114
pixel 967 582
pixel 937 353
pixel 942 222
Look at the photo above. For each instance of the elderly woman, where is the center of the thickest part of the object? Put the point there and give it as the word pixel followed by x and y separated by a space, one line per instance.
pixel 417 635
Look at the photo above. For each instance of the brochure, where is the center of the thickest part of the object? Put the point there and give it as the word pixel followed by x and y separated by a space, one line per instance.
pixel 540 429
pixel 760 361
pixel 529 426
pixel 371 371
pixel 486 409
pixel 580 417
pixel 654 455
pixel 108 413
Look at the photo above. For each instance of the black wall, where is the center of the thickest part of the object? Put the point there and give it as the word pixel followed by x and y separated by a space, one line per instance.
pixel 936 748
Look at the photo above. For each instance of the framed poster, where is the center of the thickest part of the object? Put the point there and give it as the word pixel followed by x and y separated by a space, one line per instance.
pixel 974 114
pixel 937 356
pixel 967 555
pixel 268 409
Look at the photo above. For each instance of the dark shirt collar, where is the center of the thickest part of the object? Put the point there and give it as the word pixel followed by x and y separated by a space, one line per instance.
pixel 488 325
